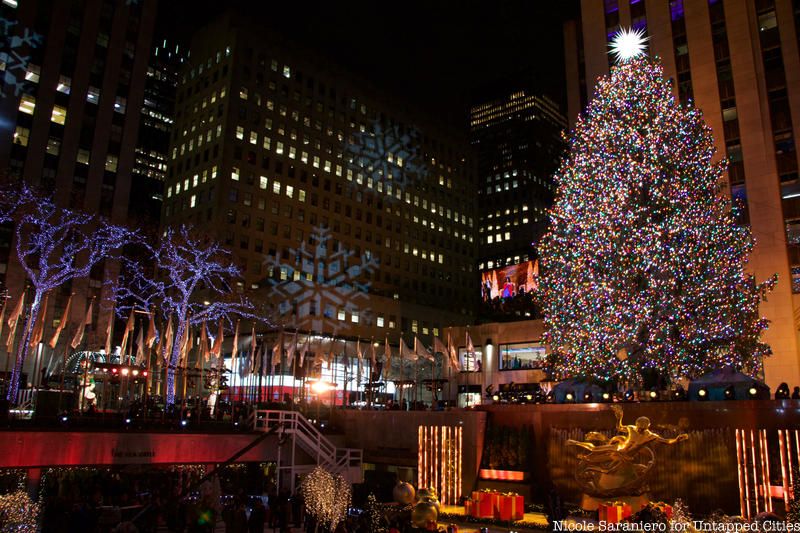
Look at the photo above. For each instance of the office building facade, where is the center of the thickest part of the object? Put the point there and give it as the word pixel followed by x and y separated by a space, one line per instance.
pixel 517 143
pixel 73 86
pixel 152 150
pixel 348 214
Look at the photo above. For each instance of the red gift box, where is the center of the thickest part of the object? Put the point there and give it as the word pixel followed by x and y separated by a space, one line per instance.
pixel 484 503
pixel 510 506
pixel 664 508
pixel 613 512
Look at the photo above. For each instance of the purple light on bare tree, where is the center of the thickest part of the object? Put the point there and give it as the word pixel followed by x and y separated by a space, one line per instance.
pixel 12 197
pixel 190 281
pixel 54 246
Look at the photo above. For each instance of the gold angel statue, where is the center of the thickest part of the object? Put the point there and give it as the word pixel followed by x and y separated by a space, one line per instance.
pixel 618 466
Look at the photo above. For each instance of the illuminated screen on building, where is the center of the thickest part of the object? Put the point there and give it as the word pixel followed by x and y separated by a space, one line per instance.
pixel 510 281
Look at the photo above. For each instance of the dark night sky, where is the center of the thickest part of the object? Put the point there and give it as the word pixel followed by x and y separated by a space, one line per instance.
pixel 442 55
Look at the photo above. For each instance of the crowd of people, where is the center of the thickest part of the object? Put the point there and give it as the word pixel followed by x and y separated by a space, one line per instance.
pixel 177 498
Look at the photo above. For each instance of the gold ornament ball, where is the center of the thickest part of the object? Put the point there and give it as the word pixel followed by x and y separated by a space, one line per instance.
pixel 423 513
pixel 403 493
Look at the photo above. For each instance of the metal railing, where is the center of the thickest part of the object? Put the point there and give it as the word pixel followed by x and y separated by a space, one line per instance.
pixel 343 461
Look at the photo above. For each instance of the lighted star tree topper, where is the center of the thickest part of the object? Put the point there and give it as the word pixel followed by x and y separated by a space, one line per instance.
pixel 643 264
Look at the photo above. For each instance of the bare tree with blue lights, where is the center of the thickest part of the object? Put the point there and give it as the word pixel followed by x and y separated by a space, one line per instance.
pixel 55 245
pixel 190 281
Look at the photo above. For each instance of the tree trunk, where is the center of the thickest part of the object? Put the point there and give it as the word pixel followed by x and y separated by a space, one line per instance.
pixel 22 350
pixel 174 359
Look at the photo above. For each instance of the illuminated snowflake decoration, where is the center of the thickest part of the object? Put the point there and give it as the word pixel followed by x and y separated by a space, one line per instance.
pixel 628 43
pixel 311 289
pixel 16 64
pixel 385 158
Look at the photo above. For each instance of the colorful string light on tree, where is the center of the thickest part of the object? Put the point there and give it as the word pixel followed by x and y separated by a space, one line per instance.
pixel 643 264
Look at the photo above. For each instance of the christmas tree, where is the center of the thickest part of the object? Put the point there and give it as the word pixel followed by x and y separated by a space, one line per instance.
pixel 643 264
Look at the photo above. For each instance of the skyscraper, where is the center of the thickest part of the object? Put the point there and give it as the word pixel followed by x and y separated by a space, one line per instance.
pixel 738 62
pixel 517 142
pixel 348 214
pixel 73 87
pixel 152 150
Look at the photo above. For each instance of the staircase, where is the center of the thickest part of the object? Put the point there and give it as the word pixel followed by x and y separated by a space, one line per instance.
pixel 345 462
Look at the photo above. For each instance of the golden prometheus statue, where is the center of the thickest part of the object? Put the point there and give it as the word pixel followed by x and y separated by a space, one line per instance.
pixel 618 466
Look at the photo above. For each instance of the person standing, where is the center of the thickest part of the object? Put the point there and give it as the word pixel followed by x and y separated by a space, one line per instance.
pixel 258 517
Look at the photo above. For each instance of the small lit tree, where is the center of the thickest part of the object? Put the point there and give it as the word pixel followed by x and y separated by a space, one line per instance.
pixel 55 245
pixel 326 497
pixel 190 280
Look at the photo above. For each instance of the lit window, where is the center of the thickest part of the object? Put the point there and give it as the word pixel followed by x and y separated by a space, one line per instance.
pixel 120 104
pixel 111 163
pixel 289 191
pixel 414 326
pixel 279 147
pixel 83 156
pixel 267 143
pixel 239 132
pixel 380 321
pixel 213 172
pixel 263 182
pixel 235 174
pixel 292 152
pixel 193 200
pixel 53 146
pixel 21 136
pixel 27 104
pixel 435 332
pixel 276 187
pixel 195 179
pixel 93 95
pixel 253 137
pixel 33 72
pixel 243 93
pixel 340 314
pixel 301 195
pixel 169 191
pixel 354 317
pixel 287 72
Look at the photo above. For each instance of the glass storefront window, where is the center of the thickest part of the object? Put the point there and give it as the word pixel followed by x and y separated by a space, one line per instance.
pixel 471 362
pixel 522 356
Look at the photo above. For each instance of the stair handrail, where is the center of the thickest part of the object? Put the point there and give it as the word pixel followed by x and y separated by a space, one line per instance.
pixel 310 437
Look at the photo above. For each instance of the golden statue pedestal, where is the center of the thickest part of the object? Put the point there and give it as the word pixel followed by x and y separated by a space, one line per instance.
pixel 637 503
